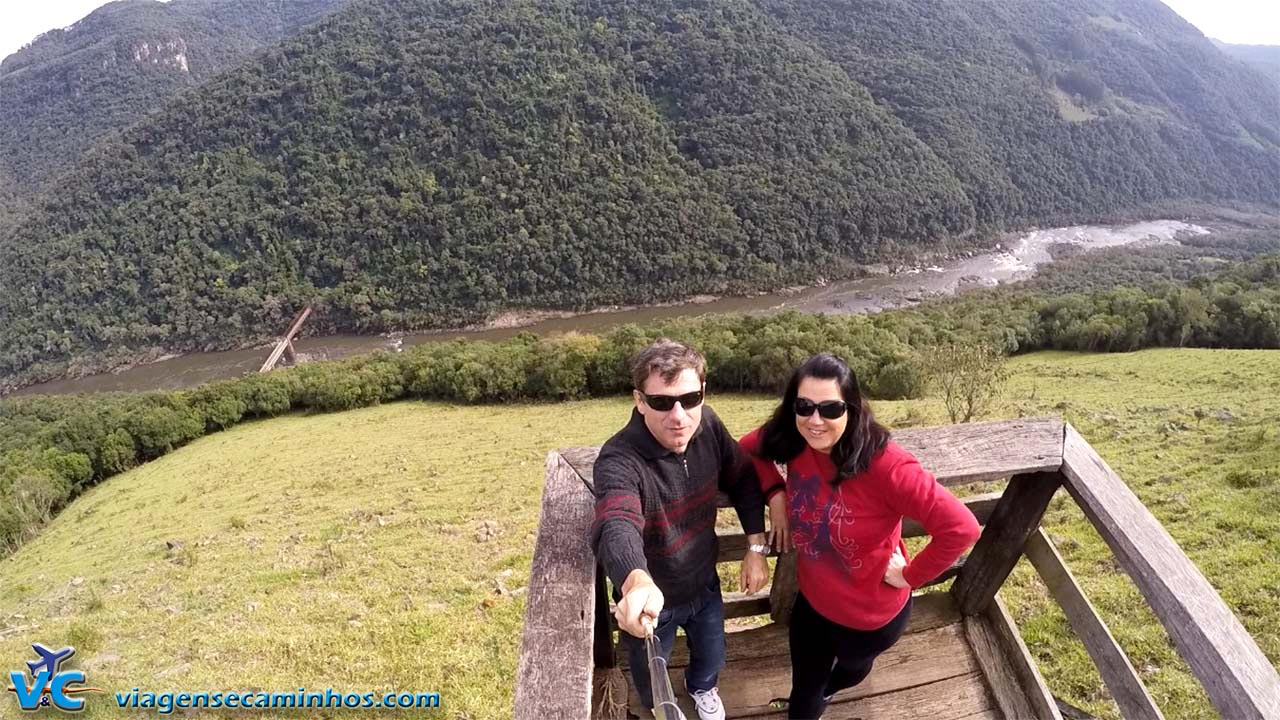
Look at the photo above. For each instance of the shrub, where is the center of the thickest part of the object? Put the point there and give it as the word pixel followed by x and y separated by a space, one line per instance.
pixel 899 380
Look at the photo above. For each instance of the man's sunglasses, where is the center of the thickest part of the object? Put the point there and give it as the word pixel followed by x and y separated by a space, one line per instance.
pixel 831 409
pixel 663 403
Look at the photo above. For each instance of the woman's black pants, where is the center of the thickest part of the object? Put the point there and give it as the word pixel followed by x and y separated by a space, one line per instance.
pixel 827 657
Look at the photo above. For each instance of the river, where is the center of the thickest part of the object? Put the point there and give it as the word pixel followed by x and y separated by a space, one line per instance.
pixel 1015 259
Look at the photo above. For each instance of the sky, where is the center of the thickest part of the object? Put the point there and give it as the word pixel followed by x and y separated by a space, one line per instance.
pixel 21 21
pixel 1245 22
pixel 1253 22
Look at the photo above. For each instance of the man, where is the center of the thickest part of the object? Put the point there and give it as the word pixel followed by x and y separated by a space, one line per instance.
pixel 654 531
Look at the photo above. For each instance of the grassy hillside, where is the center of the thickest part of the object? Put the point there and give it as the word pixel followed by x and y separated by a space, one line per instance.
pixel 352 550
pixel 428 163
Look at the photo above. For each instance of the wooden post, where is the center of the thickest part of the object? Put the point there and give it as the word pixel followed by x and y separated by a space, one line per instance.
pixel 557 647
pixel 782 596
pixel 1016 516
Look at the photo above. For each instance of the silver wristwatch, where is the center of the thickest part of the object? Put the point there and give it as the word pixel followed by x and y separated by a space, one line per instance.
pixel 762 549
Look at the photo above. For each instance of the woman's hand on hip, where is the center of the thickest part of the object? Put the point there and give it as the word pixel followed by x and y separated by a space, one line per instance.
pixel 893 574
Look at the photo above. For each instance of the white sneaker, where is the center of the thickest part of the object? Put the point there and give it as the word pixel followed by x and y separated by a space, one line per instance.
pixel 707 702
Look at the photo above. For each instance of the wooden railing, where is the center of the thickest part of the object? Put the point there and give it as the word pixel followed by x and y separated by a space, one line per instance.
pixel 568 630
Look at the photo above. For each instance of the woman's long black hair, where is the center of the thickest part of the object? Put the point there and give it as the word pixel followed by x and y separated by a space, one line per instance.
pixel 863 437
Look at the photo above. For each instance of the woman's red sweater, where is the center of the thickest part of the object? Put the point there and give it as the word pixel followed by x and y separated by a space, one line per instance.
pixel 844 536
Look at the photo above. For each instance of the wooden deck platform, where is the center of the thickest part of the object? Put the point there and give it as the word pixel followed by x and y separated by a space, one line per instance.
pixel 931 672
pixel 962 656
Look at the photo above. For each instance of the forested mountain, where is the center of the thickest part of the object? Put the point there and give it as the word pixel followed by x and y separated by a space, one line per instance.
pixel 1263 57
pixel 66 88
pixel 417 163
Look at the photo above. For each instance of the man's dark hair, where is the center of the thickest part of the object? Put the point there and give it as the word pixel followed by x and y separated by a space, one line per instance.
pixel 863 437
pixel 667 358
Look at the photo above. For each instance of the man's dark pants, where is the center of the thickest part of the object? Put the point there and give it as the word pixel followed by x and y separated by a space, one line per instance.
pixel 703 623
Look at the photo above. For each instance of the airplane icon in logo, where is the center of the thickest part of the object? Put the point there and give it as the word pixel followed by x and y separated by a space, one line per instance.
pixel 49 683
pixel 49 659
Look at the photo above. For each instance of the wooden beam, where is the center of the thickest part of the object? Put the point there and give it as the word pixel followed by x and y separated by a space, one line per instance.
pixel 1011 674
pixel 955 454
pixel 1015 682
pixel 782 594
pixel 286 340
pixel 995 668
pixel 738 604
pixel 1016 516
pixel 973 452
pixel 1122 680
pixel 1239 680
pixel 554 676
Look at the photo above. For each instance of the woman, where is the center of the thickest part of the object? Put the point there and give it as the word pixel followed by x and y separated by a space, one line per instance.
pixel 847 488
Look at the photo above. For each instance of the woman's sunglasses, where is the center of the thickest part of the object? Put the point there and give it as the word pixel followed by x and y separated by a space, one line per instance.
pixel 831 409
pixel 663 403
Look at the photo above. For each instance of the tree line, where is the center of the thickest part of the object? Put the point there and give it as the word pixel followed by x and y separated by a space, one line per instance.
pixel 52 448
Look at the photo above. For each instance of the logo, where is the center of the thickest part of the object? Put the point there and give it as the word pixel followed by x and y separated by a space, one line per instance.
pixel 49 684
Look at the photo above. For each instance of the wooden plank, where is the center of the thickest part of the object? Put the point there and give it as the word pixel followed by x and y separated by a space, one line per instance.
pixel 1117 672
pixel 973 452
pixel 1016 516
pixel 555 669
pixel 748 685
pixel 929 610
pixel 748 644
pixel 988 714
pixel 955 454
pixel 1239 680
pixel 996 668
pixel 782 594
pixel 733 545
pixel 581 459
pixel 961 697
pixel 1006 672
pixel 737 604
pixel 1034 687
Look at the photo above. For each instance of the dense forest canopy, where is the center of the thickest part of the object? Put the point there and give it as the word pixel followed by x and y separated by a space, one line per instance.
pixel 68 87
pixel 426 163
pixel 1262 57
